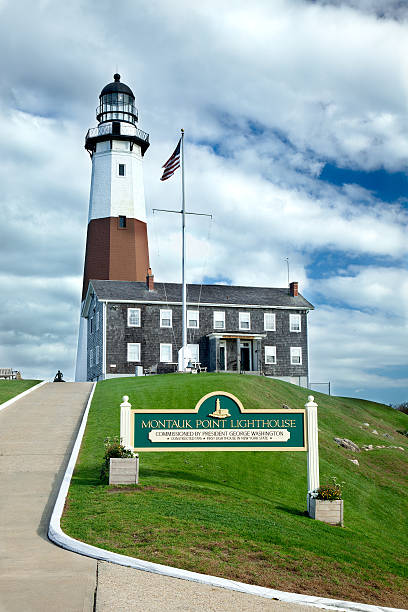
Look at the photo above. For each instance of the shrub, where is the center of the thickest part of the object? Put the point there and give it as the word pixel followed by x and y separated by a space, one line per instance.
pixel 330 491
pixel 402 407
pixel 113 449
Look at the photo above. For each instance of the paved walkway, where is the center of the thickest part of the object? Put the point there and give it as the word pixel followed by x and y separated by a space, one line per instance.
pixel 124 589
pixel 36 437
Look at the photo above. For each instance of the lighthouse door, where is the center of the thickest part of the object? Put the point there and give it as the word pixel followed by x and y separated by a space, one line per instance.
pixel 245 356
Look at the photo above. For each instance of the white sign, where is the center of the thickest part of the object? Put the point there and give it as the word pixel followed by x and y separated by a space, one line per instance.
pixel 219 435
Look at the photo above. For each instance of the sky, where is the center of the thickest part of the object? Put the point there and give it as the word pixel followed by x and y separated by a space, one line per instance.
pixel 295 115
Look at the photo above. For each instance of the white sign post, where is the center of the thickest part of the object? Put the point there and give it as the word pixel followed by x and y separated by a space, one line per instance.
pixel 313 481
pixel 125 423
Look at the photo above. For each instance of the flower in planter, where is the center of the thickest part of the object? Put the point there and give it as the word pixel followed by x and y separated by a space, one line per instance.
pixel 113 449
pixel 329 491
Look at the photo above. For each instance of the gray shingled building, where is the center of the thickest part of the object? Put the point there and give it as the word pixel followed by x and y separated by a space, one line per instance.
pixel 135 327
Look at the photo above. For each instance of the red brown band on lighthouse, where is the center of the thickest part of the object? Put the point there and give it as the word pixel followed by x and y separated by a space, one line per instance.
pixel 114 252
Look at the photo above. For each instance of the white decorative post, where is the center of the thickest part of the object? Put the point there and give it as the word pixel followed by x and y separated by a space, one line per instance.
pixel 125 423
pixel 313 481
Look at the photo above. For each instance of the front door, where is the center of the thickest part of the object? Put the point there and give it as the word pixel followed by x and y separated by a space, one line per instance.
pixel 245 356
pixel 222 354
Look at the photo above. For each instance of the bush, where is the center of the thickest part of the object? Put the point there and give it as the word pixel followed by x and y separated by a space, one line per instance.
pixel 402 407
pixel 114 449
pixel 330 491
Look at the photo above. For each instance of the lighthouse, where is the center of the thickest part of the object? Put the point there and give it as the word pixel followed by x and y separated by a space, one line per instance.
pixel 131 325
pixel 117 243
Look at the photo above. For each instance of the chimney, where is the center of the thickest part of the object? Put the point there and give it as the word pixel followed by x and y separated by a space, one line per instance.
pixel 293 289
pixel 150 280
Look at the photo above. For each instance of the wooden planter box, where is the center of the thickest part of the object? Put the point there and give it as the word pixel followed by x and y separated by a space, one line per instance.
pixel 124 471
pixel 327 511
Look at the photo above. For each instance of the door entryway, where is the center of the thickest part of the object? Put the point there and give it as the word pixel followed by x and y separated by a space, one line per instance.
pixel 245 356
pixel 222 362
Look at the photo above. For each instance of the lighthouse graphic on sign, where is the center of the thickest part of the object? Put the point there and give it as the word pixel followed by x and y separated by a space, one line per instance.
pixel 116 244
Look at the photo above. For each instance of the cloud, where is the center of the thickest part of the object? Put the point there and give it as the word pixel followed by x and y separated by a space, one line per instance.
pixel 267 94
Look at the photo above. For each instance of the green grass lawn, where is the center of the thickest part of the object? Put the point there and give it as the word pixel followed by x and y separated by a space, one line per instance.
pixel 11 388
pixel 242 515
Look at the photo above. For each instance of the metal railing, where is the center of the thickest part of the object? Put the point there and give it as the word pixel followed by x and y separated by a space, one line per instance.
pixel 125 130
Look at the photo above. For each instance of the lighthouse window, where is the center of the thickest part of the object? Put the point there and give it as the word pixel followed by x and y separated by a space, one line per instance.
pixel 122 170
pixel 295 355
pixel 133 317
pixel 165 318
pixel 270 354
pixel 244 320
pixel 193 350
pixel 166 353
pixel 192 318
pixel 133 351
pixel 219 319
pixel 122 221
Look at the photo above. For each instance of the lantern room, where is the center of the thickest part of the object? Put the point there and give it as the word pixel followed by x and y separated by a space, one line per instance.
pixel 117 103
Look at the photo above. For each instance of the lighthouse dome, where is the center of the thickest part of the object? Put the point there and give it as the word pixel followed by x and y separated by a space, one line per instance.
pixel 117 103
pixel 117 87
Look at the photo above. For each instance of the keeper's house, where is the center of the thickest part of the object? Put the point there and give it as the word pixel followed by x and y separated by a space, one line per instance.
pixel 135 327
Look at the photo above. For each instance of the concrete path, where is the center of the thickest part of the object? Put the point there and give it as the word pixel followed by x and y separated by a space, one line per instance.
pixel 124 589
pixel 36 437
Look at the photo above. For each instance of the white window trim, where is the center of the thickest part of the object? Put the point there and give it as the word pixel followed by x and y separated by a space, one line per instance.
pixel 219 314
pixel 162 345
pixel 162 317
pixel 295 317
pixel 270 314
pixel 268 353
pixel 97 321
pixel 132 344
pixel 195 315
pixel 97 354
pixel 129 324
pixel 189 347
pixel 91 358
pixel 240 315
pixel 293 352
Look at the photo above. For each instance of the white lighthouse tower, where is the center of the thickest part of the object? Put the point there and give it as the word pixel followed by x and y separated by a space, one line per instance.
pixel 116 245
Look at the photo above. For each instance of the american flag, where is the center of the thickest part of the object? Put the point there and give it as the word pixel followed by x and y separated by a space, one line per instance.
pixel 172 163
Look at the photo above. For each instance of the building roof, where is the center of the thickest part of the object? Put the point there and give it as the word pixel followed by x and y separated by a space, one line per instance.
pixel 127 291
pixel 116 86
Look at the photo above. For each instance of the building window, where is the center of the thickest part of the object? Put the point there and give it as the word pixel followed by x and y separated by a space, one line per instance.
pixel 269 321
pixel 219 319
pixel 122 221
pixel 270 355
pixel 91 324
pixel 244 320
pixel 165 318
pixel 294 323
pixel 194 351
pixel 192 319
pixel 122 170
pixel 133 351
pixel 96 355
pixel 296 355
pixel 133 317
pixel 91 358
pixel 166 353
pixel 97 321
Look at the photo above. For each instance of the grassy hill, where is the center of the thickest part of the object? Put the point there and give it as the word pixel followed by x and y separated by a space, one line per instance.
pixel 11 388
pixel 242 515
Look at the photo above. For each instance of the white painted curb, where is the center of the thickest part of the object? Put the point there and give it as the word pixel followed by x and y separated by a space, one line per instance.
pixel 57 536
pixel 23 394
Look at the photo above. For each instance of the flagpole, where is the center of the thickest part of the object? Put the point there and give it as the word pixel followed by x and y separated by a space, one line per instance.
pixel 183 275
